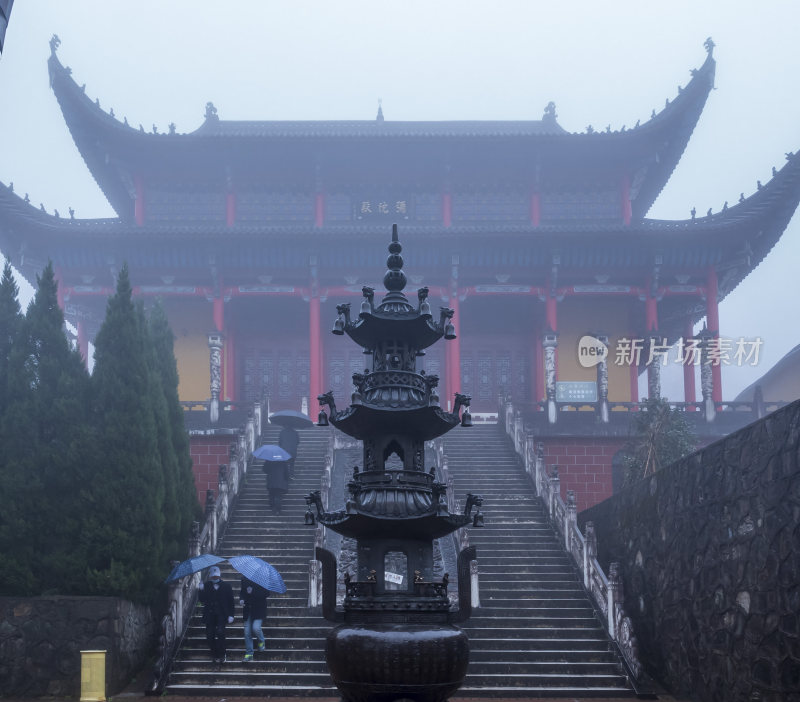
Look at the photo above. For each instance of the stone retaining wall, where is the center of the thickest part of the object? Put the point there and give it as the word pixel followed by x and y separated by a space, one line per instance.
pixel 710 556
pixel 41 639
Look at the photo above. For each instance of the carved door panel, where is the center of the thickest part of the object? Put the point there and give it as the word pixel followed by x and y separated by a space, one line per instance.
pixel 502 370
pixel 258 378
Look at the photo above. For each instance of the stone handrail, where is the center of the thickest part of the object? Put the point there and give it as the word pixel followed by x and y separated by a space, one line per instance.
pixel 709 409
pixel 182 594
pixel 606 591
pixel 461 536
pixel 314 566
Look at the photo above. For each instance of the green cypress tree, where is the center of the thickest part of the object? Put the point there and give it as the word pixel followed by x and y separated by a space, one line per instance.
pixel 181 494
pixel 126 554
pixel 10 322
pixel 45 435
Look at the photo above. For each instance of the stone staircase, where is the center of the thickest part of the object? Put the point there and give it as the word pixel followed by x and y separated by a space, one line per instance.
pixel 293 663
pixel 536 633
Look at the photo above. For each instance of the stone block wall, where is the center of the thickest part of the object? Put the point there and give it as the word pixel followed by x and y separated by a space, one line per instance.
pixel 584 465
pixel 41 639
pixel 208 454
pixel 709 549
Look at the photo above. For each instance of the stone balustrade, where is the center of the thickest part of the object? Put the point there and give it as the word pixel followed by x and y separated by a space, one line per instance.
pixel 182 594
pixel 606 591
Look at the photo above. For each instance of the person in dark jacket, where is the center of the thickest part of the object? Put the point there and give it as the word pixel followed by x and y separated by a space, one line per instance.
pixel 289 440
pixel 253 599
pixel 216 597
pixel 277 482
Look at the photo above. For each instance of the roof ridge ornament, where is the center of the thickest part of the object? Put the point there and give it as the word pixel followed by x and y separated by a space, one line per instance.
pixel 55 42
pixel 211 112
pixel 379 116
pixel 549 112
pixel 709 45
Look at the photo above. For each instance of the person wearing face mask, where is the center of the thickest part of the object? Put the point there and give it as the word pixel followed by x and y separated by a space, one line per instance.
pixel 216 596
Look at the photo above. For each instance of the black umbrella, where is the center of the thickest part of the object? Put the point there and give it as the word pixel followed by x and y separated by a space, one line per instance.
pixel 291 419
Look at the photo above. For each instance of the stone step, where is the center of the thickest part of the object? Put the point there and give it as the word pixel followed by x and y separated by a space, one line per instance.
pixel 495 656
pixel 536 643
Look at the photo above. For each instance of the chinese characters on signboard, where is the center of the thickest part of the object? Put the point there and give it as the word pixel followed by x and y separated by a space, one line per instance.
pixel 381 208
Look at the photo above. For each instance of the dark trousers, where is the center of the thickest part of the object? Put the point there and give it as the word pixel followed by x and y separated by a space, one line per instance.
pixel 215 635
pixel 275 499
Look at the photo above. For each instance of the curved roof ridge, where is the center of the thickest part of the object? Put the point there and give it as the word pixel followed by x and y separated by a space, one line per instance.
pixel 767 196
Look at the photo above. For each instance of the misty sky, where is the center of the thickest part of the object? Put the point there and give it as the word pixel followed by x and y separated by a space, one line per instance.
pixel 602 63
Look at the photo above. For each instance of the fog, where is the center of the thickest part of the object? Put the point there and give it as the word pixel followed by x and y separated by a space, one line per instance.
pixel 601 63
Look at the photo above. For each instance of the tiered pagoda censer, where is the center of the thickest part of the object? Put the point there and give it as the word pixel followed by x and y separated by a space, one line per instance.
pixel 397 640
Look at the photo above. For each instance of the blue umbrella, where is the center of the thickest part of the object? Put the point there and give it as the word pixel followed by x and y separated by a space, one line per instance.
pixel 193 565
pixel 291 419
pixel 271 452
pixel 260 572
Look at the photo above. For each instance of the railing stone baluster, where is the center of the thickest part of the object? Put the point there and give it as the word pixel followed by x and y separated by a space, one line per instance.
pixel 589 553
pixel 614 593
pixel 570 518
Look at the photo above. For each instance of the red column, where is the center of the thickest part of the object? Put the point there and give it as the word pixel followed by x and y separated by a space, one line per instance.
pixel 83 343
pixel 650 313
pixel 138 203
pixel 712 319
pixel 319 209
pixel 230 209
pixel 536 209
pixel 625 189
pixel 315 357
pixel 447 209
pixel 689 389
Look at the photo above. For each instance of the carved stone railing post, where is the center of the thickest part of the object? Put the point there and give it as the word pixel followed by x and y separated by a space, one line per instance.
pixel 194 540
pixel 175 595
pixel 518 431
pixel 555 490
pixel 589 553
pixel 211 518
pixel 540 468
pixel 614 587
pixel 258 420
pixel 314 583
pixel 570 518
pixel 530 458
pixel 223 493
pixel 474 583
pixel 215 341
pixel 550 344
pixel 602 384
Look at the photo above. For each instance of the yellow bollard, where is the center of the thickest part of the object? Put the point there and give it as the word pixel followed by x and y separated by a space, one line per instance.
pixel 93 676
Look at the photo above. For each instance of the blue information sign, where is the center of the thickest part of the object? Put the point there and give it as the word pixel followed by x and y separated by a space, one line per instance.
pixel 576 391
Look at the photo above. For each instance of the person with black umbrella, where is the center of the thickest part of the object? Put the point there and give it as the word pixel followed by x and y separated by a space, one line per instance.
pixel 277 482
pixel 289 441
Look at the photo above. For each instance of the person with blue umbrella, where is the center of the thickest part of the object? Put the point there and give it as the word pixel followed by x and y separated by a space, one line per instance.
pixel 216 596
pixel 253 599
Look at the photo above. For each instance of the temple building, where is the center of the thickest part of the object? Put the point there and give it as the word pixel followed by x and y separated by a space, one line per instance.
pixel 563 291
